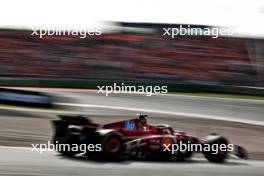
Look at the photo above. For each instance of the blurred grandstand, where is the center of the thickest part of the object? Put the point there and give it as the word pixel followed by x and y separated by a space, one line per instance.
pixel 126 55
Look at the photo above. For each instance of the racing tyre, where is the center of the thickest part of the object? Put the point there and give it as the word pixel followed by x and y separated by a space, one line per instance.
pixel 64 139
pixel 216 156
pixel 112 146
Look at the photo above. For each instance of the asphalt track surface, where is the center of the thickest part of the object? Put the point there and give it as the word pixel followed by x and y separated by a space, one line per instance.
pixel 26 162
pixel 22 161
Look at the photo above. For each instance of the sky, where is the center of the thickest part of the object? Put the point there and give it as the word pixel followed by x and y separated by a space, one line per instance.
pixel 244 17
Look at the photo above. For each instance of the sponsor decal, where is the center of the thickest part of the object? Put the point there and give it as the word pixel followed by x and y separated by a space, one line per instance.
pixel 130 125
pixel 167 141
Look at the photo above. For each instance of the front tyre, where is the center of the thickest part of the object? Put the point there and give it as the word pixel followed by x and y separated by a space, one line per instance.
pixel 215 155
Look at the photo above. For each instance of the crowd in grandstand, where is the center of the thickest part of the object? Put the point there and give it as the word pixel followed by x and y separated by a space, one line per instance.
pixel 131 56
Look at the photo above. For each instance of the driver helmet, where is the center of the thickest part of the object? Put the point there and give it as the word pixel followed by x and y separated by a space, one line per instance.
pixel 142 116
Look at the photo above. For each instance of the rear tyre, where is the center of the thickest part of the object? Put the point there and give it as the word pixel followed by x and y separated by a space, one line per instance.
pixel 67 140
pixel 112 146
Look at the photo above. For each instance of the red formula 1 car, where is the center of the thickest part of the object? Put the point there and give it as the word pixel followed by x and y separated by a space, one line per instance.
pixel 136 139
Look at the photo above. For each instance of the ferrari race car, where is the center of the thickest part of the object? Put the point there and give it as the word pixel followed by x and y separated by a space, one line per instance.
pixel 136 139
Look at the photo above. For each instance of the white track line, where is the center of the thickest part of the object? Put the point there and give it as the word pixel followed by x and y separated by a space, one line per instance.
pixel 202 116
pixel 12 147
pixel 215 98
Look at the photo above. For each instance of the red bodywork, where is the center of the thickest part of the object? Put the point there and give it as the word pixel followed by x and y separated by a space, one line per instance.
pixel 146 137
pixel 141 130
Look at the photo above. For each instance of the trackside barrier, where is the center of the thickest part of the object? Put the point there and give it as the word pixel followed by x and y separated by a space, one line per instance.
pixel 172 87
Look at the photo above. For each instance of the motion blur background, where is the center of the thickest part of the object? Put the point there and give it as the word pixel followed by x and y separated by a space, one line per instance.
pixel 133 50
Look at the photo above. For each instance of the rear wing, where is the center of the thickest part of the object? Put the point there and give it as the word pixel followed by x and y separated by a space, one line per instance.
pixel 74 118
pixel 66 120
